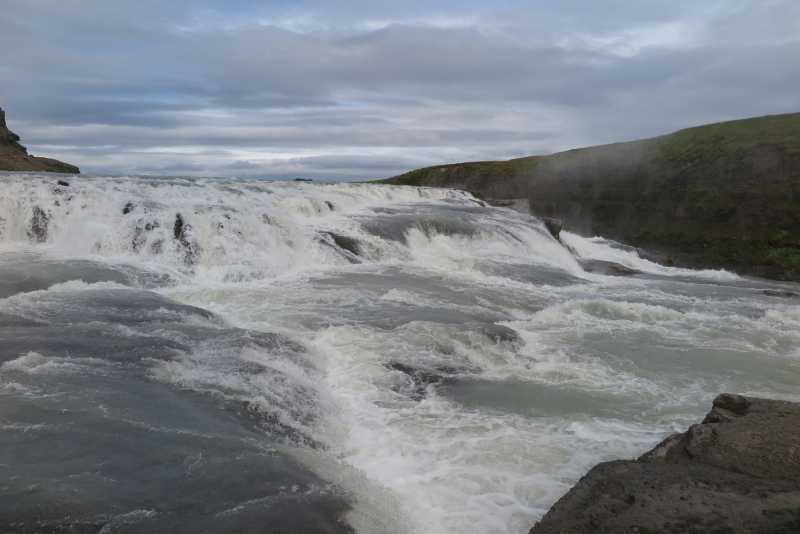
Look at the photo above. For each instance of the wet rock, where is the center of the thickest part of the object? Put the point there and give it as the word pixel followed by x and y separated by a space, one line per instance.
pixel 656 257
pixel 779 293
pixel 345 243
pixel 303 180
pixel 498 333
pixel 37 230
pixel 63 183
pixel 330 205
pixel 180 233
pixel 522 205
pixel 608 268
pixel 737 471
pixel 554 226
pixel 128 208
pixel 420 378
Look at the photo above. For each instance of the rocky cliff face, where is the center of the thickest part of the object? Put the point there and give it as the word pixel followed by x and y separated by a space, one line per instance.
pixel 736 472
pixel 15 157
pixel 725 195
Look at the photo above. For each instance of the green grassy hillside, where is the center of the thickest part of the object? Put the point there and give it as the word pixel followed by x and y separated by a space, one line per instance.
pixel 721 195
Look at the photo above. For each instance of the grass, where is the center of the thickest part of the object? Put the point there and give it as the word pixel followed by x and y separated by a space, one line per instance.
pixel 718 195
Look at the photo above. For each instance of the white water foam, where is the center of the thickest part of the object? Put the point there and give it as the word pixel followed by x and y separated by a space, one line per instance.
pixel 601 368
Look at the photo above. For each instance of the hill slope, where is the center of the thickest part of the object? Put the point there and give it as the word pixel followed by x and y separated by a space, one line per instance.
pixel 721 195
pixel 15 157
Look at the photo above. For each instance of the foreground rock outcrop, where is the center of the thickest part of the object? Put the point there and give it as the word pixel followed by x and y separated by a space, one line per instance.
pixel 736 472
pixel 721 195
pixel 15 157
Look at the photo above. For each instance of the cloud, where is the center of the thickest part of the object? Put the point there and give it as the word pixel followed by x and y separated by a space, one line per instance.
pixel 242 164
pixel 354 89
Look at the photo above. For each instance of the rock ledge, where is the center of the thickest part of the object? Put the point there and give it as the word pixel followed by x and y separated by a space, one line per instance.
pixel 736 472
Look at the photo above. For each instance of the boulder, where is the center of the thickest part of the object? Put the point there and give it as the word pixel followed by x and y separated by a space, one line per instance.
pixel 736 472
pixel 498 333
pixel 554 226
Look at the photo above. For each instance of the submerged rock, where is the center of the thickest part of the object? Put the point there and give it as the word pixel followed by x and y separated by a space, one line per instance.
pixel 419 378
pixel 37 231
pixel 521 205
pixel 656 257
pixel 498 333
pixel 347 246
pixel 779 293
pixel 737 471
pixel 608 268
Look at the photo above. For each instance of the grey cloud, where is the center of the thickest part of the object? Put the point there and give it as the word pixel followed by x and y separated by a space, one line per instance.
pixel 112 83
pixel 369 163
pixel 177 166
pixel 242 164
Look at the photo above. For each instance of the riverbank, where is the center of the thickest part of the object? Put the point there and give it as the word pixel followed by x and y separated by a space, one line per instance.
pixel 716 196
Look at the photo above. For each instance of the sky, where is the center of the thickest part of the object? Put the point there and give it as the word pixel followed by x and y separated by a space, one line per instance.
pixel 368 89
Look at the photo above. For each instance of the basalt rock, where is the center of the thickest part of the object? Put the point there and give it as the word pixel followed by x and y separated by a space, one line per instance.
pixel 736 472
pixel 15 157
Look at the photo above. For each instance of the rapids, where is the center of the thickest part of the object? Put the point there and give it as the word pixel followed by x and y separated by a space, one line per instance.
pixel 214 355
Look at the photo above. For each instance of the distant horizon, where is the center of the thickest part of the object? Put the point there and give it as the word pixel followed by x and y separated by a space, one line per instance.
pixel 358 91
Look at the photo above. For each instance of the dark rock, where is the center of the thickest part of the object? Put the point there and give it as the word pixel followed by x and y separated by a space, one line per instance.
pixel 554 226
pixel 420 378
pixel 63 183
pixel 608 268
pixel 737 471
pixel 345 243
pixel 7 137
pixel 180 231
pixel 498 333
pixel 347 247
pixel 779 293
pixel 38 228
pixel 128 208
pixel 303 180
pixel 656 257
pixel 15 157
pixel 329 204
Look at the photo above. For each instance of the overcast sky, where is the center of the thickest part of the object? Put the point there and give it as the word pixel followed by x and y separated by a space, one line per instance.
pixel 367 89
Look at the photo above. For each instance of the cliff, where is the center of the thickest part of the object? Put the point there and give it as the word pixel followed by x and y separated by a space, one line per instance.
pixel 737 471
pixel 15 157
pixel 724 195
